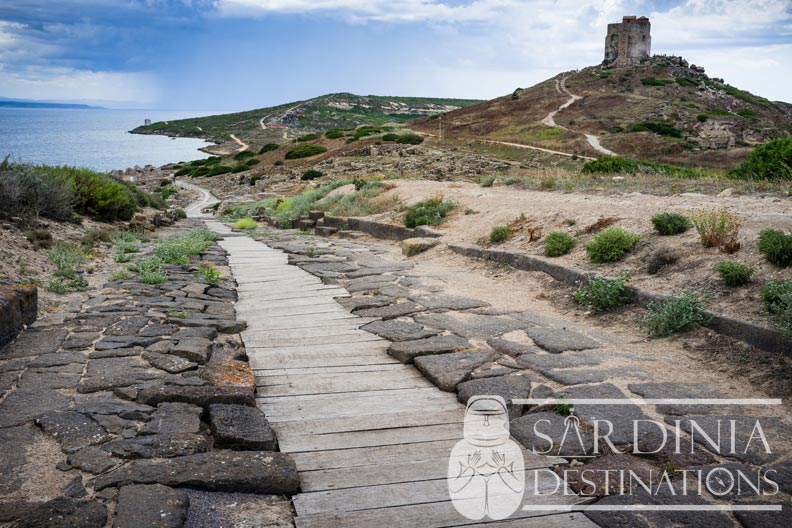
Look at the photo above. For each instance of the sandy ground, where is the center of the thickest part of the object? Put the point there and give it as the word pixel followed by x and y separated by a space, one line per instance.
pixel 550 211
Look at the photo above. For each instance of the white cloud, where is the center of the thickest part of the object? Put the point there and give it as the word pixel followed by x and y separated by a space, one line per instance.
pixel 66 83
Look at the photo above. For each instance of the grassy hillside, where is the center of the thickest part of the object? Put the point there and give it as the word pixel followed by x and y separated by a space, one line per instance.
pixel 661 110
pixel 341 110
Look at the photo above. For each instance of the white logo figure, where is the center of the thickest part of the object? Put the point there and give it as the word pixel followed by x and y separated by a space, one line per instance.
pixel 486 476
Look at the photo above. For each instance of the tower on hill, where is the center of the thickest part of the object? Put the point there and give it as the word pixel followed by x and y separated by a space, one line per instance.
pixel 628 42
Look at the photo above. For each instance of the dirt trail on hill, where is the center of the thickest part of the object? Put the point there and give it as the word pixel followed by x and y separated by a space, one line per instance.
pixel 242 145
pixel 549 120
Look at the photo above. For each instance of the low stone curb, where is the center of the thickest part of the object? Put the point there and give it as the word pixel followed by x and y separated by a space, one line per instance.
pixel 18 308
pixel 379 229
pixel 747 332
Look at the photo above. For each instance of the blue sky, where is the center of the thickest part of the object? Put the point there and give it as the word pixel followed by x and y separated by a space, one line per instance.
pixel 242 54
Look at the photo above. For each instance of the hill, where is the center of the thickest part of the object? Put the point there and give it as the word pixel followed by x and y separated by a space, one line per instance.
pixel 23 103
pixel 661 109
pixel 342 110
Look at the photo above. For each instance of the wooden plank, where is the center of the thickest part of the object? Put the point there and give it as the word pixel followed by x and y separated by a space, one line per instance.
pixel 287 412
pixel 328 307
pixel 322 361
pixel 373 422
pixel 320 293
pixel 345 459
pixel 267 342
pixel 285 334
pixel 289 443
pixel 267 387
pixel 262 373
pixel 399 494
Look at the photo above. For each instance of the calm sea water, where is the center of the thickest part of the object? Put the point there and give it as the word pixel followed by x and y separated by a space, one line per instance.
pixel 97 139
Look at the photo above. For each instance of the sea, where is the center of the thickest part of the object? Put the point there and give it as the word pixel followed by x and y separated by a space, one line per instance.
pixel 94 138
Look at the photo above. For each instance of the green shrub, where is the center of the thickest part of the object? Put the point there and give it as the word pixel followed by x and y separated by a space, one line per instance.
pixel 278 163
pixel 409 139
pixel 748 113
pixel 681 312
pixel 181 213
pixel 621 165
pixel 61 285
pixel 245 154
pixel 165 192
pixel 734 274
pixel 776 246
pixel 390 136
pixel 268 148
pixel 616 129
pixel 252 162
pixel 487 181
pixel 66 257
pixel 661 129
pixel 125 242
pixel 40 238
pixel 308 137
pixel 717 227
pixel 777 297
pixel 177 249
pixel 305 151
pixel 599 295
pixel 120 275
pixel 95 235
pixel 611 245
pixel 668 224
pixel 702 117
pixel 334 133
pixel 311 174
pixel 240 167
pixel 771 161
pixel 30 191
pixel 245 223
pixel 558 243
pixel 431 211
pixel 499 234
pixel 651 81
pixel 718 111
pixel 684 81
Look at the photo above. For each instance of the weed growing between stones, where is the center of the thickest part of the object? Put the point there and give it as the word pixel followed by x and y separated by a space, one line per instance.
pixel 667 224
pixel 734 274
pixel 125 243
pixel 599 294
pixel 683 311
pixel 558 243
pixel 150 270
pixel 564 409
pixel 179 314
pixel 718 228
pixel 776 247
pixel 66 257
pixel 209 273
pixel 611 245
pixel 120 275
pixel 177 249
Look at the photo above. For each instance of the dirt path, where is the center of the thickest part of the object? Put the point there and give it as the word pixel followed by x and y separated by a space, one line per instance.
pixel 206 199
pixel 242 145
pixel 549 120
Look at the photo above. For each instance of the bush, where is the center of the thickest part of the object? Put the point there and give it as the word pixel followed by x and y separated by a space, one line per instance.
pixel 734 274
pixel 771 161
pixel 683 311
pixel 40 238
pixel 431 211
pixel 661 129
pixel 611 245
pixel 30 191
pixel 684 81
pixel 334 133
pixel 558 243
pixel 651 81
pixel 305 151
pixel 616 129
pixel 311 174
pixel 776 246
pixel 307 137
pixel 181 213
pixel 252 162
pixel 94 236
pixel 717 228
pixel 409 139
pixel 66 257
pixel 499 234
pixel 702 117
pixel 245 154
pixel 268 148
pixel 245 223
pixel 668 224
pixel 125 242
pixel 176 249
pixel 151 270
pixel 599 295
pixel 390 136
pixel 777 298
pixel 278 163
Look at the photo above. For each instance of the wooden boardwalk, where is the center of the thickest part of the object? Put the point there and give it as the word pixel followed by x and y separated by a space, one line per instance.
pixel 371 437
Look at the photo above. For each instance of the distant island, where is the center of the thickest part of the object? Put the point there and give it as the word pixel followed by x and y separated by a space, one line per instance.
pixel 10 103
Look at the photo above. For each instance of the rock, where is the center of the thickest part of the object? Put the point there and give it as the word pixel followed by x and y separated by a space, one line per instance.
pixel 544 362
pixel 80 340
pixel 224 326
pixel 764 519
pixel 63 377
pixel 507 387
pixel 18 307
pixel 491 371
pixel 73 430
pixel 363 302
pixel 158 330
pixel 113 342
pixel 58 359
pixel 407 351
pixel 34 342
pixel 379 270
pixel 128 326
pixel 238 510
pixel 65 513
pixel 510 348
pixel 168 363
pixel 241 427
pixel 174 418
pixel 781 473
pixel 471 325
pixel 109 373
pixel 23 405
pixel 414 246
pixel 726 193
pixel 75 489
pixel 556 340
pixel 587 375
pixel 601 475
pixel 229 373
pixel 194 349
pixel 159 446
pixel 16 457
pixel 392 311
pixel 369 283
pixel 150 506
pixel 260 472
pixel 91 459
pixel 527 430
pixel 111 406
pixel 205 332
pixel 673 390
pixel 203 396
pixel 443 302
pixel 448 370
pixel 396 330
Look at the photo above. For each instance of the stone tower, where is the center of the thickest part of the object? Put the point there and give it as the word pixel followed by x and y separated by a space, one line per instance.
pixel 629 42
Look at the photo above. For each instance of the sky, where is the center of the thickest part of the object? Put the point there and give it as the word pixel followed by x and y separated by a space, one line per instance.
pixel 227 55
